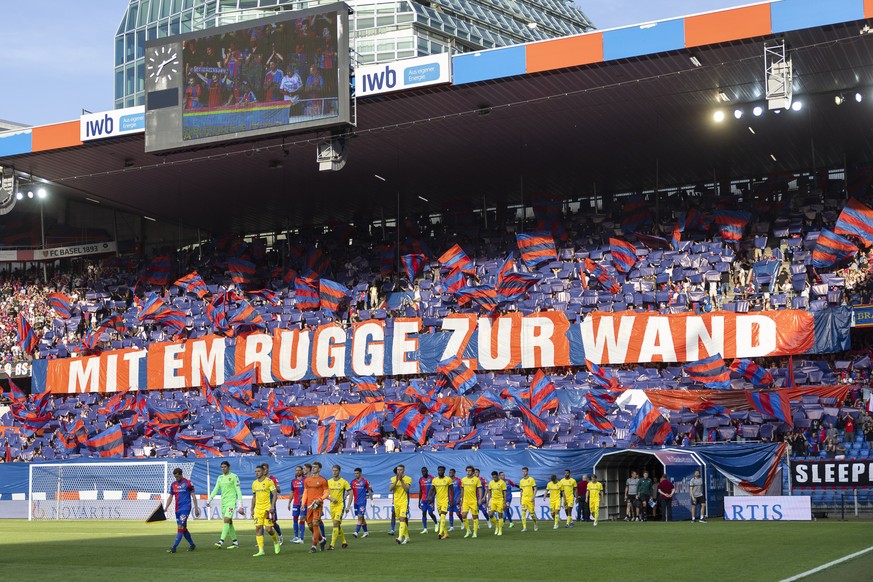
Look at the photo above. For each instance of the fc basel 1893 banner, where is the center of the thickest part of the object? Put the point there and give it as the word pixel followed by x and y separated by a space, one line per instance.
pixel 830 473
pixel 402 346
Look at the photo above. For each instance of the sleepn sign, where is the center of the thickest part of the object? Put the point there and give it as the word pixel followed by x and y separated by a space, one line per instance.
pixel 816 474
pixel 402 346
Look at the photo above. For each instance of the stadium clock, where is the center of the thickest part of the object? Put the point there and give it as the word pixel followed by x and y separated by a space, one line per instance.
pixel 163 61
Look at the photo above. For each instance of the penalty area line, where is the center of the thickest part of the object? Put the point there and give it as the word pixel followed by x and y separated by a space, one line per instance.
pixel 828 565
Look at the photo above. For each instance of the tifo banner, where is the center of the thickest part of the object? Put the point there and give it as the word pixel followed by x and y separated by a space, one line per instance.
pixel 400 347
pixel 862 316
pixel 753 508
pixel 26 255
pixel 830 474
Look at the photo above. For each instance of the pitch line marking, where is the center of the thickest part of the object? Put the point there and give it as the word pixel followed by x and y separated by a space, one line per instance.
pixel 828 565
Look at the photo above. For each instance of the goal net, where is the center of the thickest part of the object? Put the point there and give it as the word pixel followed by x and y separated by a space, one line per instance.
pixel 100 490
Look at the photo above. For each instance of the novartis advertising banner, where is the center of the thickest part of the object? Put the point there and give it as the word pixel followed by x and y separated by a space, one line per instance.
pixel 765 508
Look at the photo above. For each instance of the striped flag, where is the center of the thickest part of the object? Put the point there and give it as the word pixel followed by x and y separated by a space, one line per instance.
pixel 366 422
pixel 506 268
pixel 549 212
pixel 635 214
pixel 731 223
pixel 267 295
pixel 594 422
pixel 207 391
pixel 331 294
pixel 534 426
pixel 157 272
pixel 239 386
pixel 752 372
pixel 71 438
pixel 109 443
pixel 600 274
pixel 543 396
pixel 455 259
pixel 386 257
pixel 413 264
pixel 513 286
pixel 603 376
pixel 624 254
pixel 454 281
pixel 469 438
pixel 152 306
pixel 602 402
pixel 25 336
pixel 15 392
pixel 487 403
pixel 325 438
pixel 831 249
pixel 61 304
pixel 653 242
pixel 316 264
pixel 458 374
pixel 367 387
pixel 711 372
pixel 193 283
pixel 173 320
pixel 856 219
pixel 536 248
pixel 485 296
pixel 241 270
pixel 649 425
pixel 307 293
pixel 408 421
pixel 773 403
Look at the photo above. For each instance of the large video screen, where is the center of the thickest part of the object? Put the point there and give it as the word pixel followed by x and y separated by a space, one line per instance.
pixel 277 74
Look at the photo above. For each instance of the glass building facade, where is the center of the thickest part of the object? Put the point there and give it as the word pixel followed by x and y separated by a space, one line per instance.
pixel 381 30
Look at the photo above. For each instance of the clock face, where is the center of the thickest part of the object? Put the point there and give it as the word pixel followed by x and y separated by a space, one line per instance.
pixel 163 62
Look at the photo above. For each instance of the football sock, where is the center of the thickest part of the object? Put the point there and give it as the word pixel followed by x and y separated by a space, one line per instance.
pixel 476 525
pixel 321 528
pixel 507 515
pixel 224 529
pixel 277 529
pixel 333 536
pixel 523 519
pixel 342 535
pixel 178 539
pixel 296 523
pixel 452 519
pixel 423 520
pixel 358 528
pixel 393 522
pixel 187 536
pixel 232 531
pixel 364 527
pixel 442 524
pixel 275 537
pixel 260 540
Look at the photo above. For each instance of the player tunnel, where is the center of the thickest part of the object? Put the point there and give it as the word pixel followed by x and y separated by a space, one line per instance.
pixel 613 469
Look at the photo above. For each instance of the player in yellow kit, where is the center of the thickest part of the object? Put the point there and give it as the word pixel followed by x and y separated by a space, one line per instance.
pixel 568 486
pixel 340 502
pixel 554 488
pixel 497 501
pixel 399 487
pixel 592 496
pixel 528 486
pixel 472 496
pixel 263 507
pixel 439 492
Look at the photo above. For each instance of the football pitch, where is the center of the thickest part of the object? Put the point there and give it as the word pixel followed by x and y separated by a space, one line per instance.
pixel 715 551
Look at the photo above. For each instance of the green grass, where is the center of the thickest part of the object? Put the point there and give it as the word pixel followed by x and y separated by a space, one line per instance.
pixel 89 550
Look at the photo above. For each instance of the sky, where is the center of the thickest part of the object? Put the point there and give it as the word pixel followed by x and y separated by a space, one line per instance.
pixel 58 54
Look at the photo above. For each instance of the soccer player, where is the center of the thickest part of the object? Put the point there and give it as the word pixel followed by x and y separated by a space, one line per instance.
pixel 528 486
pixel 361 491
pixel 455 501
pixel 507 510
pixel 554 488
pixel 393 514
pixel 307 470
pixel 698 499
pixel 425 486
pixel 439 496
pixel 568 488
pixel 400 484
pixel 227 485
pixel 273 516
pixel 182 491
pixel 263 507
pixel 472 498
pixel 315 491
pixel 483 504
pixel 295 505
pixel 592 496
pixel 340 502
pixel 496 501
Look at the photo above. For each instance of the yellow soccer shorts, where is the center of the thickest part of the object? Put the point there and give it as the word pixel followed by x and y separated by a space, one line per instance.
pixel 262 518
pixel 470 507
pixel 528 504
pixel 442 508
pixel 401 511
pixel 555 508
pixel 498 507
pixel 336 512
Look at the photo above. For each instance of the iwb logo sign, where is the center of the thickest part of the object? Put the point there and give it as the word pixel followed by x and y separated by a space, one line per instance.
pixel 112 123
pixel 767 508
pixel 405 74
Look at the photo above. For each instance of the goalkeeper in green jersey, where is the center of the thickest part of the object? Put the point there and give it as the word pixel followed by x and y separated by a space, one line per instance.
pixel 227 486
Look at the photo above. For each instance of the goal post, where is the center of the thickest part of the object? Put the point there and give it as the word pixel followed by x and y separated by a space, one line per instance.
pixel 128 490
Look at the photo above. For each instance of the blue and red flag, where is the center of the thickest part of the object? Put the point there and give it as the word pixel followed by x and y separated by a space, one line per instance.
pixel 206 390
pixel 152 306
pixel 455 259
pixel 316 264
pixel 752 372
pixel 856 219
pixel 386 254
pixel 29 422
pixel 230 244
pixel 239 386
pixel 25 336
pixel 649 425
pixel 165 415
pixel 600 274
pixel 549 212
pixel 594 422
pixel 15 392
pixel 157 272
pixel 711 372
pixel 534 426
pixel 241 270
pixel 485 296
pixel 600 401
pixel 332 294
pixel 245 316
pixel 458 374
pixel 654 242
pixel 114 322
pixel 307 293
pixel 366 422
pixel 109 443
pixel 676 236
pixel 831 249
pixel 454 281
pixel 469 438
pixel 173 320
pixel 624 254
pixel 367 387
pixel 506 268
pixel 421 394
pixel 603 376
pixel 635 213
pixel 513 286
pixel 71 438
pixel 487 403
pixel 61 304
pixel 117 403
pixel 536 248
pixel 771 402
pixel 543 396
pixel 267 295
pixel 413 264
pixel 731 224
pixel 193 283
pixel 238 434
pixel 408 421
pixel 325 438
pixel 41 402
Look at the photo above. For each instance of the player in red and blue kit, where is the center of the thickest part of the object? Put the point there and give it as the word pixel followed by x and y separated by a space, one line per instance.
pixel 425 484
pixel 455 494
pixel 298 512
pixel 361 491
pixel 483 503
pixel 182 491
pixel 507 510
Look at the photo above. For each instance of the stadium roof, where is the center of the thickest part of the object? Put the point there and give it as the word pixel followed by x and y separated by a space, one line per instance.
pixel 609 111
